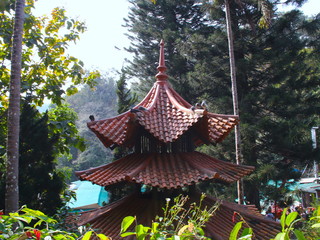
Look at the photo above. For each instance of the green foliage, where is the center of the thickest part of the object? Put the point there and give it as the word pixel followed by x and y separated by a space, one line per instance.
pixel 148 23
pixel 293 227
pixel 245 235
pixel 33 224
pixel 177 222
pixel 62 122
pixel 27 224
pixel 46 67
pixel 287 222
pixel 46 70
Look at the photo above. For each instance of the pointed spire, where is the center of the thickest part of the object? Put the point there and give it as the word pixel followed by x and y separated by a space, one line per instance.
pixel 161 76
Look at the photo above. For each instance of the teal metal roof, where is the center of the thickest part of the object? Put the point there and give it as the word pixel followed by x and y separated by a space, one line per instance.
pixel 294 186
pixel 88 195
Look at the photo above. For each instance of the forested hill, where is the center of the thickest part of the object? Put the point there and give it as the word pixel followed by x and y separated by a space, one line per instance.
pixel 101 102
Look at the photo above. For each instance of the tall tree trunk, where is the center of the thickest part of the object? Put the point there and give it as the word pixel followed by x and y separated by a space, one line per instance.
pixel 12 181
pixel 234 95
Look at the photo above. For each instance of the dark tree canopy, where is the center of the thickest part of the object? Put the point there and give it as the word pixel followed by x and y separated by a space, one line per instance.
pixel 40 184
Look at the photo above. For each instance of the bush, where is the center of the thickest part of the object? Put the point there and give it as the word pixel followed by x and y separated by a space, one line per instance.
pixel 34 224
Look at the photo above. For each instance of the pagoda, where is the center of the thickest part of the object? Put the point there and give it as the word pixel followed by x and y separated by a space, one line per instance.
pixel 163 131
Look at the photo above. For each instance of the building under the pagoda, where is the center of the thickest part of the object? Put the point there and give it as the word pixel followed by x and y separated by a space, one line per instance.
pixel 163 131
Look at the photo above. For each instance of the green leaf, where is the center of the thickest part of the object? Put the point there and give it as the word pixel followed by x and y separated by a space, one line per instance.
pixel 280 236
pixel 316 217
pixel 2 227
pixel 38 223
pixel 200 231
pixel 139 229
pixel 126 223
pixel 291 217
pixel 102 236
pixel 87 235
pixel 316 225
pixel 142 236
pixel 24 219
pixel 154 227
pixel 127 234
pixel 246 234
pixel 235 231
pixel 283 219
pixel 247 231
pixel 71 90
pixel 299 235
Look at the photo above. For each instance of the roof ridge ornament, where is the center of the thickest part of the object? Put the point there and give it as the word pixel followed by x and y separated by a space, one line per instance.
pixel 161 75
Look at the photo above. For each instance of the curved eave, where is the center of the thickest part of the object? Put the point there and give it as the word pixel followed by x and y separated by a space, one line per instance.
pixel 113 130
pixel 165 170
pixel 219 126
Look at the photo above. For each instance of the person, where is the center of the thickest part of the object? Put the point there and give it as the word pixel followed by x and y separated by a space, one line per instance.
pixel 269 214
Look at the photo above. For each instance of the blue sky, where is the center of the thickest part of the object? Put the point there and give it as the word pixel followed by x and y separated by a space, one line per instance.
pixel 104 20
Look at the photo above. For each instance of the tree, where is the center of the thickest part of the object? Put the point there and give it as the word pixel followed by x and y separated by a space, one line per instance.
pixel 12 180
pixel 277 81
pixel 234 97
pixel 41 185
pixel 45 69
pixel 255 76
pixel 176 21
pixel 265 22
pixel 126 100
pixel 46 65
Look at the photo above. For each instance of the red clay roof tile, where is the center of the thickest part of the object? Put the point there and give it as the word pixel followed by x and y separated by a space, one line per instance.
pixel 165 170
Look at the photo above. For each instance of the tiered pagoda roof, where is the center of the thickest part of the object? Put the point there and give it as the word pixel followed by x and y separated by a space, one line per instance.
pixel 164 130
pixel 165 115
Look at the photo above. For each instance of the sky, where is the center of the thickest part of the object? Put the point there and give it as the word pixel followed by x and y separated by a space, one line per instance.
pixel 101 46
pixel 104 20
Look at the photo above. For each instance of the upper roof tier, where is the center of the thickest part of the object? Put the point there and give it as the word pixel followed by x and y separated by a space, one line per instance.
pixel 165 115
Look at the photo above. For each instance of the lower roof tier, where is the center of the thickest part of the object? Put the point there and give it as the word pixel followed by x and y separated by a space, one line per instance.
pixel 165 170
pixel 107 219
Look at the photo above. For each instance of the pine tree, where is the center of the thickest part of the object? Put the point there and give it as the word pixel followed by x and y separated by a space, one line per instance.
pixel 278 85
pixel 148 23
pixel 125 102
pixel 125 98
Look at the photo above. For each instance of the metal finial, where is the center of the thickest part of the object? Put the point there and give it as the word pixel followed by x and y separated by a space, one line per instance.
pixel 161 76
